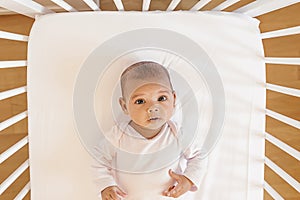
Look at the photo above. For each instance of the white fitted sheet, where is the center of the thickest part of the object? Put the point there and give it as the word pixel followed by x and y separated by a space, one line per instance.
pixel 61 46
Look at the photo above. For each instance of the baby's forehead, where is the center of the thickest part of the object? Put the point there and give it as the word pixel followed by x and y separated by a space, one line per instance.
pixel 141 73
pixel 135 86
pixel 151 78
pixel 163 81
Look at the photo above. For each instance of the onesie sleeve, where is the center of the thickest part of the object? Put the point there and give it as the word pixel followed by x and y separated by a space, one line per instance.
pixel 196 167
pixel 102 167
pixel 196 164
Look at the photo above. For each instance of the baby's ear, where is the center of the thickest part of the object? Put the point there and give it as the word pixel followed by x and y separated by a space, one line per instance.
pixel 123 105
pixel 174 95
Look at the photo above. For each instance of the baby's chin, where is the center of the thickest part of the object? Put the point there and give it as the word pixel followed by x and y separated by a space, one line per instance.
pixel 155 124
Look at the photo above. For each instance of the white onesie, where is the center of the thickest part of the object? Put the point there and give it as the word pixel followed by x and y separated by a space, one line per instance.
pixel 139 166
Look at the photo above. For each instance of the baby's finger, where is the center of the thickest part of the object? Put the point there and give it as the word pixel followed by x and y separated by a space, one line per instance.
pixel 176 191
pixel 171 188
pixel 168 190
pixel 120 192
pixel 114 196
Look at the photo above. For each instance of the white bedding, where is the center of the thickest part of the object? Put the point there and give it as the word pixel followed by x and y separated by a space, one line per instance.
pixel 62 47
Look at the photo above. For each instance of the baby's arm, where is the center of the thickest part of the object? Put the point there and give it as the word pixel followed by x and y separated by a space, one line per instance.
pixel 196 166
pixel 103 172
pixel 102 167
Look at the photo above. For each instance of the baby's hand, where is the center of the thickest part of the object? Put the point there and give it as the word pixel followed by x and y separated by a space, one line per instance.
pixel 183 185
pixel 112 193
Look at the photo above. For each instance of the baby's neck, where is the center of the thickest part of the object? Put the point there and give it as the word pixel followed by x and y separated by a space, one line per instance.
pixel 146 133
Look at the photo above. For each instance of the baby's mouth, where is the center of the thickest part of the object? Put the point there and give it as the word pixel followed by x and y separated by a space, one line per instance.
pixel 153 118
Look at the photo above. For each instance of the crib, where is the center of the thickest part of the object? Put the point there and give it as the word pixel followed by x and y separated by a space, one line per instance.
pixel 280 29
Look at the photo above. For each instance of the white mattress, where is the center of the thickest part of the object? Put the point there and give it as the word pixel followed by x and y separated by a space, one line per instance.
pixel 216 63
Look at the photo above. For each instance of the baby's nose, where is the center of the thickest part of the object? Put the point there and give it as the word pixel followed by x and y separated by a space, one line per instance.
pixel 153 109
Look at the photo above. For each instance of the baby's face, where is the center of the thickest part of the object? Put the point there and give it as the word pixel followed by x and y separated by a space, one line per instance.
pixel 151 105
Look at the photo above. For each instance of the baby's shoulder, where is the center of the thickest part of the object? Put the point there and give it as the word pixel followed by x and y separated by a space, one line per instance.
pixel 175 128
pixel 116 131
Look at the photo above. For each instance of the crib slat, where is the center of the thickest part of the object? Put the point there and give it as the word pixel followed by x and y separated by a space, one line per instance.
pixel 13 149
pixel 12 92
pixel 23 192
pixel 284 61
pixel 283 32
pixel 119 5
pixel 7 123
pixel 290 180
pixel 13 36
pixel 284 90
pixel 291 151
pixel 92 5
pixel 283 118
pixel 15 63
pixel 25 7
pixel 225 4
pixel 5 184
pixel 64 5
pixel 146 5
pixel 272 192
pixel 261 7
pixel 200 5
pixel 173 4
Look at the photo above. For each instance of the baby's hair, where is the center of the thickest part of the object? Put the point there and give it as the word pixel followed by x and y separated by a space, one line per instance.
pixel 143 70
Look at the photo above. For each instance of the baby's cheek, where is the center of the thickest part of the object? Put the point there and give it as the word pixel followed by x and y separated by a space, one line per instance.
pixel 168 111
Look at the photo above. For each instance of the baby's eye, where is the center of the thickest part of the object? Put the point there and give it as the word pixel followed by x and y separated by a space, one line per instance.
pixel 162 98
pixel 139 101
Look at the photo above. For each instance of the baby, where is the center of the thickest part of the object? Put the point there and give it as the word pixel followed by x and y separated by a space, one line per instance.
pixel 135 162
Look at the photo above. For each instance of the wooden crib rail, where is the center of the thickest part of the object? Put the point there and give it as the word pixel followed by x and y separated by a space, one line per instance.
pixel 254 8
pixel 64 5
pixel 261 7
pixel 282 133
pixel 119 5
pixel 92 5
pixel 282 43
pixel 13 36
pixel 15 63
pixel 25 7
pixel 14 176
pixel 14 165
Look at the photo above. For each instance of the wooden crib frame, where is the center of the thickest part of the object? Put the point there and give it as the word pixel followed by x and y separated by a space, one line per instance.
pixel 280 27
